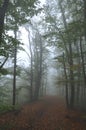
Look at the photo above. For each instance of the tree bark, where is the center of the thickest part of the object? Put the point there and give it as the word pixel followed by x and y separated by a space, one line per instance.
pixel 39 71
pixel 31 60
pixel 2 16
pixel 83 62
pixel 1 66
pixel 66 81
pixel 14 74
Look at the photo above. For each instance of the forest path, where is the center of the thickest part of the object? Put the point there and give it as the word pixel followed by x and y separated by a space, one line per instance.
pixel 49 113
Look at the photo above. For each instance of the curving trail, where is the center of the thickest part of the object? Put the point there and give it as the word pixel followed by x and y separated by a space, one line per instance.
pixel 49 113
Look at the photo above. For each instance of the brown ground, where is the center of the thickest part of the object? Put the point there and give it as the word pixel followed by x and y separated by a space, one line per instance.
pixel 50 113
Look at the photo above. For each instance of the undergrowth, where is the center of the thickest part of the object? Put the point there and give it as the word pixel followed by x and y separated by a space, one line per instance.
pixel 8 108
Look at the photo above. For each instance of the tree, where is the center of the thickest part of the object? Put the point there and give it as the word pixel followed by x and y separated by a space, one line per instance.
pixel 65 29
pixel 37 50
pixel 38 64
pixel 13 20
pixel 3 9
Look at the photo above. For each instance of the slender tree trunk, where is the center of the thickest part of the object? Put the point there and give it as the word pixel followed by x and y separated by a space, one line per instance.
pixel 2 16
pixel 39 75
pixel 31 81
pixel 78 72
pixel 66 81
pixel 85 18
pixel 71 78
pixel 3 9
pixel 83 62
pixel 14 75
pixel 1 66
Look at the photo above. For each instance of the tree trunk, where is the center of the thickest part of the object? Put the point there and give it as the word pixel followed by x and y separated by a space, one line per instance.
pixel 85 18
pixel 2 16
pixel 39 71
pixel 1 66
pixel 70 58
pixel 66 81
pixel 83 62
pixel 78 72
pixel 72 96
pixel 31 81
pixel 14 75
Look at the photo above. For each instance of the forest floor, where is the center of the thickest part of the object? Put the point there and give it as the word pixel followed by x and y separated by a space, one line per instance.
pixel 49 113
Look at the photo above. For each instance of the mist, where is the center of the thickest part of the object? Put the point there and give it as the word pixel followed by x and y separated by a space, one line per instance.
pixel 42 65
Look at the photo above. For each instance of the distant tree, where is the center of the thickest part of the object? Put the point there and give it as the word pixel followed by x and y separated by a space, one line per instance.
pixel 37 57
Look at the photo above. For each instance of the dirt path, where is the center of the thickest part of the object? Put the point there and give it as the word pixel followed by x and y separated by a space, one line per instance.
pixel 50 113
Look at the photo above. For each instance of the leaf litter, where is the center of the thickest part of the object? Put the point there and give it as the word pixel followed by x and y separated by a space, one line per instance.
pixel 49 113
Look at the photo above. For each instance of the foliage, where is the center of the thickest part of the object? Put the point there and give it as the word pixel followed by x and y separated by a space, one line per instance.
pixel 3 71
pixel 18 14
pixel 8 108
pixel 65 29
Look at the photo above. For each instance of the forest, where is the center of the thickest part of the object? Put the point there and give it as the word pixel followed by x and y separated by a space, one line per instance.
pixel 42 64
